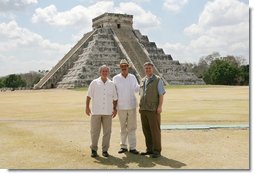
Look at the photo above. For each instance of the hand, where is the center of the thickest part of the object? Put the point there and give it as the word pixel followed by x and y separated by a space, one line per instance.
pixel 114 113
pixel 159 110
pixel 88 111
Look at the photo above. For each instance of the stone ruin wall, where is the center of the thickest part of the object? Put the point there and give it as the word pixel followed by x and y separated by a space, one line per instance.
pixel 113 21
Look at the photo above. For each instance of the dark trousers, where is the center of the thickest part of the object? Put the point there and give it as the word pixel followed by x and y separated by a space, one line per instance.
pixel 151 121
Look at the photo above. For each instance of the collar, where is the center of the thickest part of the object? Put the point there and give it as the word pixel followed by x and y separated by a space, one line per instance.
pixel 151 77
pixel 123 76
pixel 102 81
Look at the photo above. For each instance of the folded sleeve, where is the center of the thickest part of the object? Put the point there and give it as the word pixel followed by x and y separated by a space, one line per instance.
pixel 114 93
pixel 161 89
pixel 135 84
pixel 90 91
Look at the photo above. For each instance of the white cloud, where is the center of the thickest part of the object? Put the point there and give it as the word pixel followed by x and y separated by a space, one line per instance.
pixel 142 19
pixel 14 65
pixel 12 5
pixel 222 13
pixel 13 36
pixel 193 29
pixel 223 26
pixel 83 15
pixel 140 1
pixel 23 50
pixel 77 15
pixel 136 1
pixel 219 13
pixel 51 16
pixel 174 5
pixel 177 50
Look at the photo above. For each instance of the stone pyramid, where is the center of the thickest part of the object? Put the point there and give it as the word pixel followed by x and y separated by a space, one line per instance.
pixel 112 39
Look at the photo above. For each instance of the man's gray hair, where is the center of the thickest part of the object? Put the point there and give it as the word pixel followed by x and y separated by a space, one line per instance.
pixel 148 64
pixel 102 67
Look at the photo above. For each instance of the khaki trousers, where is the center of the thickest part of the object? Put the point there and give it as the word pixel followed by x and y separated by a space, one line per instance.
pixel 128 123
pixel 96 122
pixel 151 121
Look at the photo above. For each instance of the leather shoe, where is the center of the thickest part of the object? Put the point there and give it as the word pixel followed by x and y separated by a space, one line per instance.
pixel 122 150
pixel 155 155
pixel 105 154
pixel 94 154
pixel 134 151
pixel 146 153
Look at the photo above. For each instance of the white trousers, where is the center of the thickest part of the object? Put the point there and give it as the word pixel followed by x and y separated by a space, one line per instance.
pixel 128 123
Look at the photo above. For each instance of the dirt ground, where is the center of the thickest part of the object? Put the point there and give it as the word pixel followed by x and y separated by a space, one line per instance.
pixel 47 129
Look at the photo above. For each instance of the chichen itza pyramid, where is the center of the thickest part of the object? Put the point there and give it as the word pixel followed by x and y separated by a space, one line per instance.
pixel 112 39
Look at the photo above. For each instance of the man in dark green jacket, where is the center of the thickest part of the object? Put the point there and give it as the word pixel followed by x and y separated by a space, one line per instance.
pixel 151 99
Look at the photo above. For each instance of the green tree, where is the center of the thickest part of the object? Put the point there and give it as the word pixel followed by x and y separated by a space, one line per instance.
pixel 203 64
pixel 228 70
pixel 222 72
pixel 243 78
pixel 14 81
pixel 1 82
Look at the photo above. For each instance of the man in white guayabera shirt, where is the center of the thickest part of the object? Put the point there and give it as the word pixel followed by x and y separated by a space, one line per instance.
pixel 126 86
pixel 102 92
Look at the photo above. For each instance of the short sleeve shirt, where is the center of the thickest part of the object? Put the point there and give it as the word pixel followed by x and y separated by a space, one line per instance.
pixel 102 95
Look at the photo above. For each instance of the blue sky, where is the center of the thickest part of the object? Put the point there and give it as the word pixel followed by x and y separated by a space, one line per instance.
pixel 35 34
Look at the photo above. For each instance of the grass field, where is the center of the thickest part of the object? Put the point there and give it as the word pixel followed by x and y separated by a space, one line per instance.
pixel 48 129
pixel 182 104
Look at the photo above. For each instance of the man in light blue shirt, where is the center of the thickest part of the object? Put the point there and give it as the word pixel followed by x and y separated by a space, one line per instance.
pixel 161 89
pixel 151 99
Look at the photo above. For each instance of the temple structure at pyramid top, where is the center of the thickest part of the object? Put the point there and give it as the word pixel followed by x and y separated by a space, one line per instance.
pixel 113 20
pixel 112 39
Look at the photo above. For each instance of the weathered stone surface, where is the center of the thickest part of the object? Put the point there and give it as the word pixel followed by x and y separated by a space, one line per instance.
pixel 56 73
pixel 172 71
pixel 112 39
pixel 101 50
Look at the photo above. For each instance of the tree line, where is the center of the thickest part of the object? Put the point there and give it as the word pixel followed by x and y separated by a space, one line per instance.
pixel 217 70
pixel 213 69
pixel 26 80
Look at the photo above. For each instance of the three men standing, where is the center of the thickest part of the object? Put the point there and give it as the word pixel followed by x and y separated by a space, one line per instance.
pixel 107 95
pixel 127 86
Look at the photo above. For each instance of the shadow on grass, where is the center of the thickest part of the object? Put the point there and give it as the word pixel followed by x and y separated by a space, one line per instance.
pixel 141 161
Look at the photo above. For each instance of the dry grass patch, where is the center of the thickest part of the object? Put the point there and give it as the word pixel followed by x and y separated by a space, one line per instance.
pixel 47 129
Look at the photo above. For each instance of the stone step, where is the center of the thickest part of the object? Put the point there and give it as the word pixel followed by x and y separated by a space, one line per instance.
pixel 52 77
pixel 86 68
pixel 133 49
